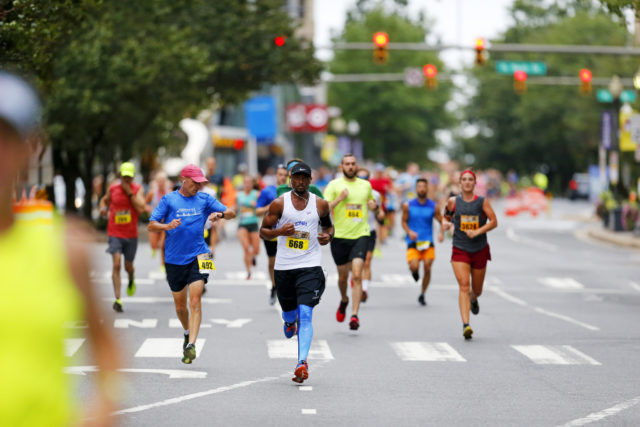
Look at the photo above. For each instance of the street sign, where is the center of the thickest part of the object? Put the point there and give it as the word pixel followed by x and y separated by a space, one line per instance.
pixel 260 118
pixel 413 77
pixel 603 95
pixel 606 125
pixel 532 68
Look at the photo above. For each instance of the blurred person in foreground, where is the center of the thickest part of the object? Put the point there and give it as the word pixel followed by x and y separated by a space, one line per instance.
pixel 36 391
pixel 124 203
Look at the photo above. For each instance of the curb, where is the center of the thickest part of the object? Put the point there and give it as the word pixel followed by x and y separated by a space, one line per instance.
pixel 620 238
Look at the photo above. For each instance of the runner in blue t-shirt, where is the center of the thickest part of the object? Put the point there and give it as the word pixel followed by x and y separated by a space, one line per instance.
pixel 185 212
pixel 417 222
pixel 268 195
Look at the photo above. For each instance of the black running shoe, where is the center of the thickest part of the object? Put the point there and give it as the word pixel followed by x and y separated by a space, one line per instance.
pixel 475 307
pixel 415 275
pixel 186 341
pixel 421 300
pixel 117 306
pixel 467 332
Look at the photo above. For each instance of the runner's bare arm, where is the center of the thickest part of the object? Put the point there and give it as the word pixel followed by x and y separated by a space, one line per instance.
pixel 137 200
pixel 325 222
pixel 343 195
pixel 105 201
pixel 156 226
pixel 267 232
pixel 491 217
pixel 438 215
pixel 405 222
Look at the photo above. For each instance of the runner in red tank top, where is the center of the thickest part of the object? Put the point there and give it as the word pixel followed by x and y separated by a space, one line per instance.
pixel 124 201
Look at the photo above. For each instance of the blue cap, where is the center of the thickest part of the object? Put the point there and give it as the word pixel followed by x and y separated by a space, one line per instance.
pixel 19 104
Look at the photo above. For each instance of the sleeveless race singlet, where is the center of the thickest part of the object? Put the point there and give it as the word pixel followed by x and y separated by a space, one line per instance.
pixel 469 216
pixel 37 298
pixel 302 249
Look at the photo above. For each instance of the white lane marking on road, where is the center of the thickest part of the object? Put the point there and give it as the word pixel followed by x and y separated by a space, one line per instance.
pixel 166 347
pixel 175 323
pixel 597 416
pixel 561 282
pixel 507 296
pixel 144 323
pixel 157 275
pixel 511 235
pixel 305 388
pixel 172 373
pixel 125 281
pixel 186 397
pixel 309 412
pixel 241 276
pixel 566 319
pixel 426 351
pixel 288 349
pixel 72 345
pixel 77 324
pixel 635 286
pixel 555 355
pixel 540 310
pixel 154 300
pixel 237 323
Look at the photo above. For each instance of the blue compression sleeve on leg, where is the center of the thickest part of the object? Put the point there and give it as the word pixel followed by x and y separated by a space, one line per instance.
pixel 290 316
pixel 305 331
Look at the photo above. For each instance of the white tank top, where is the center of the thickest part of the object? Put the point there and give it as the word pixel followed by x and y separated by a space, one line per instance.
pixel 302 249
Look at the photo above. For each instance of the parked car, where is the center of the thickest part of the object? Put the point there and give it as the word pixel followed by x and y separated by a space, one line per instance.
pixel 579 186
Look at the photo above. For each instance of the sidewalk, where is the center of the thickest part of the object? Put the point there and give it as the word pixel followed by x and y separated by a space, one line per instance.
pixel 621 238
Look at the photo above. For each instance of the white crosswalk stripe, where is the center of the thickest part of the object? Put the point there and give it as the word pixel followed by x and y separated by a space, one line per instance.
pixel 166 347
pixel 288 349
pixel 561 283
pixel 416 351
pixel 555 355
pixel 72 345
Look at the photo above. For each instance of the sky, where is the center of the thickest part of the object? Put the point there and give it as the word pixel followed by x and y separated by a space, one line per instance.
pixel 455 22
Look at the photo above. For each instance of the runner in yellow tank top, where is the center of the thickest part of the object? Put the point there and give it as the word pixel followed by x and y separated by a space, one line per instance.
pixel 350 198
pixel 41 290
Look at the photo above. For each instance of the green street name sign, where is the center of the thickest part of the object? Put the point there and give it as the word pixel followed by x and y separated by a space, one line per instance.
pixel 603 95
pixel 529 67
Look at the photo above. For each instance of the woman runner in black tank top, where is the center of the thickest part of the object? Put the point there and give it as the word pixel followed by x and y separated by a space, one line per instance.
pixel 471 217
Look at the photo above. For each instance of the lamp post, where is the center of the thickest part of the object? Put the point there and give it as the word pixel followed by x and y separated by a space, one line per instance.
pixel 615 88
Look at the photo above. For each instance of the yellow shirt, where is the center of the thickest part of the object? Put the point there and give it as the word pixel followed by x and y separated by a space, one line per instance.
pixel 36 299
pixel 351 214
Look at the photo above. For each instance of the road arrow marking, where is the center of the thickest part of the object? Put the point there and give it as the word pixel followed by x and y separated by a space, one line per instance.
pixel 309 412
pixel 597 416
pixel 237 323
pixel 175 323
pixel 125 323
pixel 166 347
pixel 172 373
pixel 555 355
pixel 414 351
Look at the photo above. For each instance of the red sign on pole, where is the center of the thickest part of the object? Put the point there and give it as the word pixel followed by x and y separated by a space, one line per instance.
pixel 307 118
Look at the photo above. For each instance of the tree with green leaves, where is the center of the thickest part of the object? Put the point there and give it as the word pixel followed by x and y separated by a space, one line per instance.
pixel 549 127
pixel 397 122
pixel 117 77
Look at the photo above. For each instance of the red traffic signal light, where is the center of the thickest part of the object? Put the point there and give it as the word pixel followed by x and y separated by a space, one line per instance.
pixel 480 51
pixel 520 82
pixel 381 39
pixel 430 70
pixel 279 41
pixel 585 78
pixel 238 144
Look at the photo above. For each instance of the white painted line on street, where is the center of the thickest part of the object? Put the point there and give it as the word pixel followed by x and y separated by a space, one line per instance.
pixel 597 416
pixel 309 412
pixel 175 323
pixel 566 319
pixel 154 300
pixel 166 347
pixel 561 282
pixel 72 345
pixel 426 352
pixel 125 323
pixel 511 235
pixel 77 324
pixel 237 323
pixel 305 388
pixel 186 397
pixel 507 296
pixel 288 349
pixel 555 355
pixel 157 275
pixel 172 373
pixel 241 276
pixel 125 281
pixel 635 286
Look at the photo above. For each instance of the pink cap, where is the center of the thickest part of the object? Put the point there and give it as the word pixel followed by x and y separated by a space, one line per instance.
pixel 193 172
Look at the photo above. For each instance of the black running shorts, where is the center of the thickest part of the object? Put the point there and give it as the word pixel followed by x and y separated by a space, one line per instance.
pixel 271 246
pixel 299 286
pixel 372 241
pixel 126 247
pixel 180 276
pixel 345 250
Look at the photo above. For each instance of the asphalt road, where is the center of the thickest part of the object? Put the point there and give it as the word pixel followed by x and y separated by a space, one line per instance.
pixel 556 341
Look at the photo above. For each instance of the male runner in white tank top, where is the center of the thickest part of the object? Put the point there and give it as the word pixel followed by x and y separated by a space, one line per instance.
pixel 293 218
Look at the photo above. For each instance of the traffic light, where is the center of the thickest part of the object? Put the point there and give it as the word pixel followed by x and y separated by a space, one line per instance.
pixel 480 51
pixel 585 79
pixel 430 76
pixel 238 144
pixel 380 53
pixel 279 41
pixel 519 82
